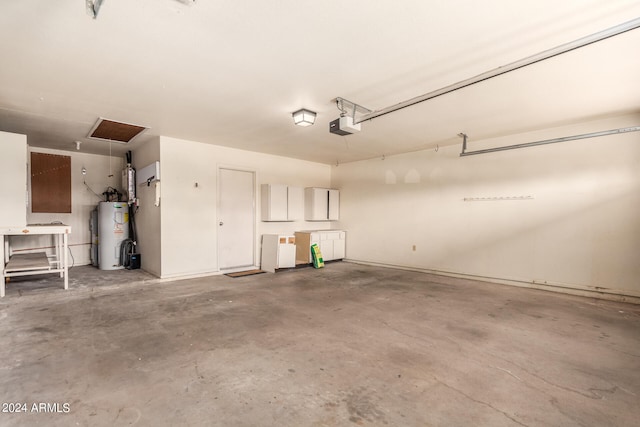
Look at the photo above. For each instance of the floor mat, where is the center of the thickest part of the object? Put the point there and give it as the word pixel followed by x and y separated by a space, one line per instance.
pixel 245 273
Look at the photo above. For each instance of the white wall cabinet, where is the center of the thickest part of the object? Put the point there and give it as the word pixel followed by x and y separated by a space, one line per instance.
pixel 280 202
pixel 274 202
pixel 332 244
pixel 295 203
pixel 321 204
pixel 334 205
pixel 278 251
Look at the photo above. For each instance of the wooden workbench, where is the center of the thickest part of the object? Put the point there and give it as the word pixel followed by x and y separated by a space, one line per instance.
pixel 35 263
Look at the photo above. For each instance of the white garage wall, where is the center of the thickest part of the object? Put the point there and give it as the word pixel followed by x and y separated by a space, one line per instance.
pixel 13 179
pixel 580 229
pixel 148 216
pixel 83 201
pixel 188 228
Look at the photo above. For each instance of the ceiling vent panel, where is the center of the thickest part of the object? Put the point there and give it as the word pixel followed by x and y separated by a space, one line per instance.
pixel 112 131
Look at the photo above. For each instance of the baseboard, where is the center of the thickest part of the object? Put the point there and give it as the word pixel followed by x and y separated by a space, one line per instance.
pixel 179 276
pixel 172 277
pixel 570 289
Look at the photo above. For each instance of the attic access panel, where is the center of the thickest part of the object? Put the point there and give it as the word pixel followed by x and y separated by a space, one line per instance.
pixel 113 131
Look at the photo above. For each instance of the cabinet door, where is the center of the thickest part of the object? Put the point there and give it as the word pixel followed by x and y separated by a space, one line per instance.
pixel 339 249
pixel 269 259
pixel 274 199
pixel 316 204
pixel 295 203
pixel 334 205
pixel 286 253
pixel 326 248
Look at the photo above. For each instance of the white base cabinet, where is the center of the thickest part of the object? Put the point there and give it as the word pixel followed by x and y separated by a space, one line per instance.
pixel 278 251
pixel 332 244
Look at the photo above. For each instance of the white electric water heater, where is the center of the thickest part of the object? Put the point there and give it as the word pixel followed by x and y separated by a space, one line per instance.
pixel 113 229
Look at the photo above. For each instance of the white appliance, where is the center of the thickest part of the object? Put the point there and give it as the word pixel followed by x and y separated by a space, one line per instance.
pixel 113 229
pixel 148 174
pixel 278 251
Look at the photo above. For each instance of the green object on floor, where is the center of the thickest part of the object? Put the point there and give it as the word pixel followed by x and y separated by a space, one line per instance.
pixel 318 262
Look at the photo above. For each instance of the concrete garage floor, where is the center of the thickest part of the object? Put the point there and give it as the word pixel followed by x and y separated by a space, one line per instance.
pixel 345 345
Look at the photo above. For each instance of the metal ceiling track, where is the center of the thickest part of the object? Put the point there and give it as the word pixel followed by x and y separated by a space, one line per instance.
pixel 349 108
pixel 550 53
pixel 546 141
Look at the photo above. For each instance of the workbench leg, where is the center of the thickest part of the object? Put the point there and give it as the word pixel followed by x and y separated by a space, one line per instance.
pixel 58 251
pixel 65 260
pixel 2 253
pixel 5 248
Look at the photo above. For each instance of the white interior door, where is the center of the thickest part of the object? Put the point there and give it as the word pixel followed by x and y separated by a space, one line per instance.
pixel 236 218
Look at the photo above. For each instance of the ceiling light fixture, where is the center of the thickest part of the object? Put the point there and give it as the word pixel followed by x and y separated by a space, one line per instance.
pixel 304 117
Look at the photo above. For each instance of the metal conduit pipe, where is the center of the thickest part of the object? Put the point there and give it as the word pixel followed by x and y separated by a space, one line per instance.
pixel 564 48
pixel 547 141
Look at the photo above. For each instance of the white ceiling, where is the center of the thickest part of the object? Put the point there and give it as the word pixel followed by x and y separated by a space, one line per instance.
pixel 231 73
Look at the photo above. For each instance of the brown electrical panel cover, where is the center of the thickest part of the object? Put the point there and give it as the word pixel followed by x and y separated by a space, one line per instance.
pixel 50 183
